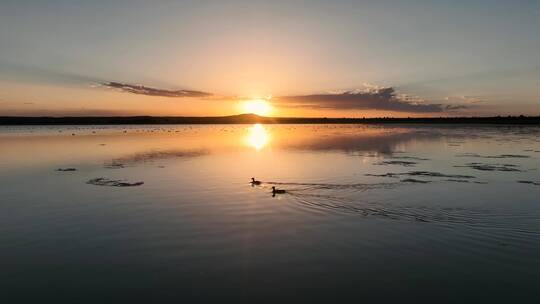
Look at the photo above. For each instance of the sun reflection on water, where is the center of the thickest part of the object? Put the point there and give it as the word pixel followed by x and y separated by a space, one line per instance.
pixel 258 137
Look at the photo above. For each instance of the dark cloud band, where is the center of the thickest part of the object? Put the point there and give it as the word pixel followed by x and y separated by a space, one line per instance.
pixel 380 99
pixel 144 90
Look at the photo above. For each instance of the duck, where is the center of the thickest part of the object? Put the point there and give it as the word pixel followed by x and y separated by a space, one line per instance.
pixel 277 191
pixel 255 182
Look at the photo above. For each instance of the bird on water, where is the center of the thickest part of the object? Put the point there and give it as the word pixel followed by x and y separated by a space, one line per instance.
pixel 277 191
pixel 255 182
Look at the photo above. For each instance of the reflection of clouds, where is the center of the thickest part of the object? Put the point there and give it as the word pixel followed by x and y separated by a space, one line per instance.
pixel 153 155
pixel 372 140
pixel 384 143
pixel 257 137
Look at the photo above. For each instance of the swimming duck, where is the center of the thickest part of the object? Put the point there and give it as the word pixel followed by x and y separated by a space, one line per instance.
pixel 255 182
pixel 277 191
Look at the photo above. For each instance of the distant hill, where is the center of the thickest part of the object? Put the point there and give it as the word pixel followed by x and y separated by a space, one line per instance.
pixel 252 118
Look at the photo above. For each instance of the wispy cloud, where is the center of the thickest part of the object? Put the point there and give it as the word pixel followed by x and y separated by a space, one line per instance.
pixel 469 99
pixel 144 90
pixel 372 98
pixel 455 107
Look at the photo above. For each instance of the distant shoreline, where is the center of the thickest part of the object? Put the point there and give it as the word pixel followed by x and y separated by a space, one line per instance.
pixel 251 119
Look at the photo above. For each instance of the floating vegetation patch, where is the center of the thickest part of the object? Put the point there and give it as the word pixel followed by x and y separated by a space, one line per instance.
pixel 392 175
pixel 436 174
pixel 528 182
pixel 397 162
pixel 491 167
pixel 423 174
pixel 492 156
pixel 101 181
pixel 114 165
pixel 413 180
pixel 66 169
pixel 458 180
pixel 409 157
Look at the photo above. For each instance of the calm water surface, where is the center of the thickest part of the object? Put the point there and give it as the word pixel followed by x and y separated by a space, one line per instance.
pixel 371 213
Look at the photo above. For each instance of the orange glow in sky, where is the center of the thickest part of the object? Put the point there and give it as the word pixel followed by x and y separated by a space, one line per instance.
pixel 225 59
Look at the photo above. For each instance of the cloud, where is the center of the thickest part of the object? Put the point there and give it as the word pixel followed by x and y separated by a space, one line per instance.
pixel 373 98
pixel 455 107
pixel 469 99
pixel 475 99
pixel 144 90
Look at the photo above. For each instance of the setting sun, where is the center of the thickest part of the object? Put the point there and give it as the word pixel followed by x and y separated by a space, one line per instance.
pixel 257 106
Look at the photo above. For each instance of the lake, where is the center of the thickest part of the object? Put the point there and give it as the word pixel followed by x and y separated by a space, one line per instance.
pixel 167 213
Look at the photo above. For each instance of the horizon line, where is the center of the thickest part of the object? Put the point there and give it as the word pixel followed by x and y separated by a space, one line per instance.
pixel 253 119
pixel 253 115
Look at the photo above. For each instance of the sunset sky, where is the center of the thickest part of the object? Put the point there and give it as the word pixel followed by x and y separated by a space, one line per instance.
pixel 276 58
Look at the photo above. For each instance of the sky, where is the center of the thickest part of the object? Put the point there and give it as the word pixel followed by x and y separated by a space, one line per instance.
pixel 279 58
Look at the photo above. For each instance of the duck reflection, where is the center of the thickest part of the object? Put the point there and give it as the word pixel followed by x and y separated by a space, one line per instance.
pixel 258 137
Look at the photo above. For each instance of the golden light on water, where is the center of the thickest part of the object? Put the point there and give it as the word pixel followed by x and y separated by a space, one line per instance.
pixel 258 137
pixel 257 106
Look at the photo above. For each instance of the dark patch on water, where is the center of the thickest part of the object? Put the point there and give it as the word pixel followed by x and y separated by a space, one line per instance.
pixel 397 162
pixel 409 157
pixel 436 174
pixel 412 180
pixel 491 167
pixel 101 181
pixel 528 182
pixel 423 174
pixel 66 169
pixel 392 175
pixel 492 156
pixel 114 165
pixel 458 180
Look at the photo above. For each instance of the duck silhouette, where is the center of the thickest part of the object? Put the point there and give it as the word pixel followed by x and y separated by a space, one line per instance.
pixel 255 182
pixel 277 191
